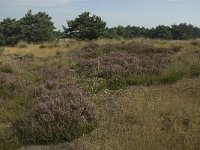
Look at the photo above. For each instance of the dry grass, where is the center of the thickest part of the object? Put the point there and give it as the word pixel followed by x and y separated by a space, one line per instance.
pixel 157 117
pixel 44 50
pixel 51 49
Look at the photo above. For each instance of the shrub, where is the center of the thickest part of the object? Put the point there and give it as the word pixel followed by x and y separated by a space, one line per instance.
pixel 59 115
pixel 9 85
pixel 121 64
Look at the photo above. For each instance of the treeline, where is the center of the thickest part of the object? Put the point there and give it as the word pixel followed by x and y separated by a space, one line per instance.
pixel 182 31
pixel 38 28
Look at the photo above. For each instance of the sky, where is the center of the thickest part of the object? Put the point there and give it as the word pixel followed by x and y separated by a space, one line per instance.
pixel 147 13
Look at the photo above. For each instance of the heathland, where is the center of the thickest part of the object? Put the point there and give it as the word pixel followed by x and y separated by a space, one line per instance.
pixel 100 94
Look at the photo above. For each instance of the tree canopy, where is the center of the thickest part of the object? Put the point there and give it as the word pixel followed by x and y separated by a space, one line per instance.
pixel 85 27
pixel 37 27
pixel 10 31
pixel 30 28
pixel 181 31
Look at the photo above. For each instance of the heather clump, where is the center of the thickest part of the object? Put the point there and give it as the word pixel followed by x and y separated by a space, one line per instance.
pixel 120 69
pixel 123 63
pixel 58 115
pixel 139 47
pixel 10 85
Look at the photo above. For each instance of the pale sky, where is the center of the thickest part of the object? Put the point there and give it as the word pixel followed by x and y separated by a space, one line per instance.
pixel 147 13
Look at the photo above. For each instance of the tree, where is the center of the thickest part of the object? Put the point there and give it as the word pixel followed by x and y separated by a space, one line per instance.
pixel 161 32
pixel 183 31
pixel 85 27
pixel 10 32
pixel 37 27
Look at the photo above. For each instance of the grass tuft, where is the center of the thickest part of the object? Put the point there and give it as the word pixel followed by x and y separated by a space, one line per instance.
pixel 22 44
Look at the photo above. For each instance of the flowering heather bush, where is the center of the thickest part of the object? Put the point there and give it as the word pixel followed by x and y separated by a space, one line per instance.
pixel 138 47
pixel 10 85
pixel 123 63
pixel 53 77
pixel 58 115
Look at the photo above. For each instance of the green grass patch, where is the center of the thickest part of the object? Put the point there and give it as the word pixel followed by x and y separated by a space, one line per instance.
pixel 6 69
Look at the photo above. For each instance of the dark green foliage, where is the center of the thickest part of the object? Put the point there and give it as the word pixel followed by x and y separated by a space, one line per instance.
pixel 183 31
pixel 85 27
pixel 10 32
pixel 126 32
pixel 58 35
pixel 31 28
pixel 161 32
pixel 37 27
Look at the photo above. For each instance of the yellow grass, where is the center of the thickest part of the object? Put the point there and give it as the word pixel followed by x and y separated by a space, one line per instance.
pixel 48 51
pixel 33 49
pixel 66 45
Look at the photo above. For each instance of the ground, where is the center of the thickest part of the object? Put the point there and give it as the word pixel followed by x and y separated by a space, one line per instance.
pixel 146 93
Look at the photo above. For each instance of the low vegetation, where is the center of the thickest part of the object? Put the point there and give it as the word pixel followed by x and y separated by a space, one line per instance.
pixel 117 93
